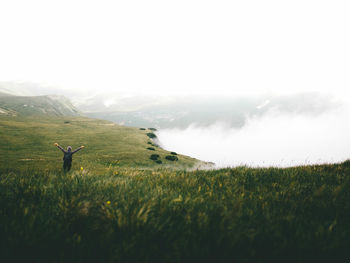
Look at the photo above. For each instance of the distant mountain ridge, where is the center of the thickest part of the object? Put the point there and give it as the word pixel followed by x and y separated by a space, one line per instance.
pixel 166 112
pixel 203 111
pixel 51 105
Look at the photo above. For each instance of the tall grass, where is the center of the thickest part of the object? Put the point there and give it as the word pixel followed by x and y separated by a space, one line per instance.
pixel 131 215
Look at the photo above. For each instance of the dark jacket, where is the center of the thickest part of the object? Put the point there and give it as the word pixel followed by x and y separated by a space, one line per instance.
pixel 67 155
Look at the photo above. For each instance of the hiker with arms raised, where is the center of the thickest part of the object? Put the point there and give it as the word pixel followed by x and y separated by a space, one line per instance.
pixel 67 156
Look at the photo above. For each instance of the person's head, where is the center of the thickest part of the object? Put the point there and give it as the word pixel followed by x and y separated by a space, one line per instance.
pixel 69 148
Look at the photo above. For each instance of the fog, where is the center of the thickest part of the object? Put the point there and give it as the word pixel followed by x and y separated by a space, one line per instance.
pixel 274 139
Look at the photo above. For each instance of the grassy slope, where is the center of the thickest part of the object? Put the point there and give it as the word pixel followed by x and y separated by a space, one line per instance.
pixel 231 215
pixel 111 212
pixel 27 143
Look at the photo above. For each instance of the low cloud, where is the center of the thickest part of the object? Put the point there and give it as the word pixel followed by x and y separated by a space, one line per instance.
pixel 274 139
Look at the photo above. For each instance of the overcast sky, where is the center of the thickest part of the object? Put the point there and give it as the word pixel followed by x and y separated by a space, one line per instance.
pixel 169 47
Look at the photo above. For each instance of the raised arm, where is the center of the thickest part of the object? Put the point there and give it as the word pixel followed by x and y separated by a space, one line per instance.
pixel 60 147
pixel 78 149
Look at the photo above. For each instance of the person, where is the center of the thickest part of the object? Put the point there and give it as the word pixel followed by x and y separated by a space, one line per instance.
pixel 67 156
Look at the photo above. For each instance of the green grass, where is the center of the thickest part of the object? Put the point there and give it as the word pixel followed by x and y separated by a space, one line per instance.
pixel 124 207
pixel 27 143
pixel 132 215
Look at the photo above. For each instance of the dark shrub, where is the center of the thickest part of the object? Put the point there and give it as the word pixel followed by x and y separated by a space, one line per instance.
pixel 171 158
pixel 67 122
pixel 173 153
pixel 158 161
pixel 142 129
pixel 151 149
pixel 150 143
pixel 154 157
pixel 151 135
pixel 152 129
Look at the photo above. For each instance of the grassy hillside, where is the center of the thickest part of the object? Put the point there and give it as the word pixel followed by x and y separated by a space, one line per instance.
pixel 27 143
pixel 118 205
pixel 36 105
pixel 231 215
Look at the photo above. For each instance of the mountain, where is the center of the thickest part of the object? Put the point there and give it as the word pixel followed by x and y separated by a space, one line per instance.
pixel 181 112
pixel 31 124
pixel 145 110
pixel 36 105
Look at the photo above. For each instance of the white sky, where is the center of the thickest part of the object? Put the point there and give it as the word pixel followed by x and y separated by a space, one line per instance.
pixel 167 47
